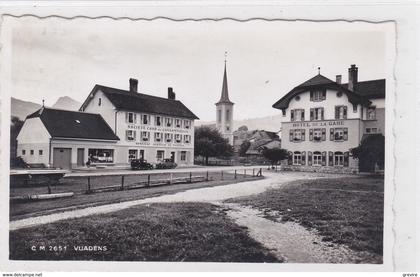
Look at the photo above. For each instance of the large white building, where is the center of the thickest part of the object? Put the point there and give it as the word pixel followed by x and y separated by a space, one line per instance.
pixel 324 119
pixel 112 127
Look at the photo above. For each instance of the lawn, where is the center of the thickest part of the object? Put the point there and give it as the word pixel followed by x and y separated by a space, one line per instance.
pixel 346 210
pixel 156 232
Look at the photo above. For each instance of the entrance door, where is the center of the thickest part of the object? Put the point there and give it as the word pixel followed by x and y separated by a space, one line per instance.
pixel 80 156
pixel 172 156
pixel 62 158
pixel 141 156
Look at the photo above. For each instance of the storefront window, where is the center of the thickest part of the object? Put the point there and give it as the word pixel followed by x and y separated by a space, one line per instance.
pixel 101 155
pixel 160 154
pixel 183 155
pixel 132 154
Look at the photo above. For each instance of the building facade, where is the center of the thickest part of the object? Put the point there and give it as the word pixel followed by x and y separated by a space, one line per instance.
pixel 224 112
pixel 325 119
pixel 143 126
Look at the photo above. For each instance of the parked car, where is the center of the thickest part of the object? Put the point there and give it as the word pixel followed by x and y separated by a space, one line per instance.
pixel 166 163
pixel 140 164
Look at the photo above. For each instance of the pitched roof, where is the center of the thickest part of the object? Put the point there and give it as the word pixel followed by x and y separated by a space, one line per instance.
pixel 70 124
pixel 317 82
pixel 139 102
pixel 224 98
pixel 372 89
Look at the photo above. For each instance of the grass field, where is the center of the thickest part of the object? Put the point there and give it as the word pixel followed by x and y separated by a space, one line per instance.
pixel 156 232
pixel 347 210
pixel 19 210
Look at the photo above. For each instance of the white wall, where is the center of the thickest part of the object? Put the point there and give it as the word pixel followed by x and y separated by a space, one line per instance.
pixel 33 136
pixel 106 109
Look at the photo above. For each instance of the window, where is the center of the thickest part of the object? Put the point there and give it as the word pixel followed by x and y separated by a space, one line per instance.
pixel 183 155
pixel 355 108
pixel 168 122
pixel 160 155
pixel 130 117
pixel 158 120
pixel 40 152
pixel 145 119
pixel 371 113
pixel 318 95
pixel 297 158
pixel 371 130
pixel 187 124
pixel 340 112
pixel 338 159
pixel 99 101
pixel 227 128
pixel 101 155
pixel 227 115
pixel 297 135
pixel 178 123
pixel 168 137
pixel 187 138
pixel 178 138
pixel 338 134
pixel 158 136
pixel 145 136
pixel 132 154
pixel 317 158
pixel 219 116
pixel 297 115
pixel 32 152
pixel 317 114
pixel 23 152
pixel 130 135
pixel 317 134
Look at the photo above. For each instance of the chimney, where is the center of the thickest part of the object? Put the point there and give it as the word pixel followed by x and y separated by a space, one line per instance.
pixel 133 85
pixel 338 79
pixel 171 93
pixel 352 77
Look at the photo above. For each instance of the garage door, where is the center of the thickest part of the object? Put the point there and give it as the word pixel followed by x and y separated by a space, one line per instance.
pixel 62 158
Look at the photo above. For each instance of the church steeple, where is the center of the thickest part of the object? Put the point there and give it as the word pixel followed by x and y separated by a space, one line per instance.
pixel 224 98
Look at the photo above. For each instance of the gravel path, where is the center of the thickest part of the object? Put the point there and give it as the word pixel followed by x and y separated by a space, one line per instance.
pixel 290 241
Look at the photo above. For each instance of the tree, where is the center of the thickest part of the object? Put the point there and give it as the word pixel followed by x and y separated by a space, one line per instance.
pixel 371 151
pixel 208 142
pixel 274 155
pixel 244 147
pixel 15 126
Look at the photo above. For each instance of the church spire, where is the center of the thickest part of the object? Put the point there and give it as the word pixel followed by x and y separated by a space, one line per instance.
pixel 224 98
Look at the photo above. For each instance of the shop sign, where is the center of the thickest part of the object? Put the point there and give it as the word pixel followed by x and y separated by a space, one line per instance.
pixel 318 124
pixel 157 129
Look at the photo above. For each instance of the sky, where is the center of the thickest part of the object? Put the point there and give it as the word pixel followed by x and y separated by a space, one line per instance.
pixel 265 60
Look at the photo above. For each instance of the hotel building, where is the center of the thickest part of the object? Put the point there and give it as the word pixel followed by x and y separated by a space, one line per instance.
pixel 324 119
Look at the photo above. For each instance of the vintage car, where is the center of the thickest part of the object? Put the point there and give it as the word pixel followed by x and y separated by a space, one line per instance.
pixel 140 164
pixel 166 163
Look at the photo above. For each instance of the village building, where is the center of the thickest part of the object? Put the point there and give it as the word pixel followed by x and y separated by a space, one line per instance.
pixel 324 119
pixel 224 112
pixel 112 127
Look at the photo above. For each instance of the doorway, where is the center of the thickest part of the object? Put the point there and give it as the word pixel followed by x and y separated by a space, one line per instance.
pixel 80 156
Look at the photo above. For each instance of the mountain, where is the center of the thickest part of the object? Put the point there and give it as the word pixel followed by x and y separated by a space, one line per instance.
pixel 267 123
pixel 67 103
pixel 22 108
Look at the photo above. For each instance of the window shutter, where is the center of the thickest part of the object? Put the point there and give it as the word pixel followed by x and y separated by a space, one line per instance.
pixel 292 115
pixel 322 113
pixel 311 134
pixel 309 158
pixel 303 134
pixel 345 112
pixel 324 94
pixel 337 112
pixel 332 134
pixel 291 135
pixel 312 96
pixel 324 158
pixel 126 116
pixel 134 134
pixel 303 158
pixel 302 115
pixel 311 113
pixel 330 158
pixel 126 134
pixel 346 158
pixel 323 130
pixel 345 134
pixel 290 158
